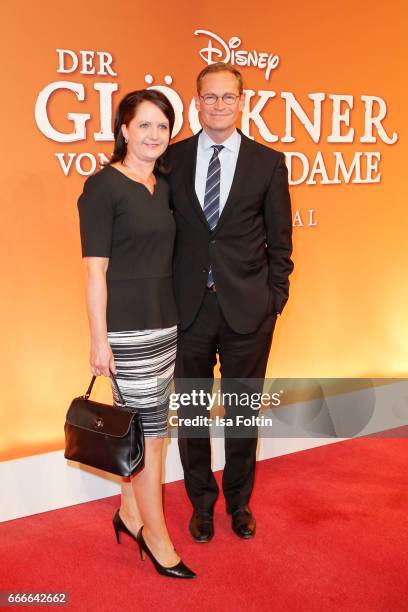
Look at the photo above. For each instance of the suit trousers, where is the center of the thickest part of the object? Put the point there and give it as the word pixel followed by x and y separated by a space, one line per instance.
pixel 243 360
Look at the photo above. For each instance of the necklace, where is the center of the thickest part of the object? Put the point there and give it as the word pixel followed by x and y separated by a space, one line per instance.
pixel 150 181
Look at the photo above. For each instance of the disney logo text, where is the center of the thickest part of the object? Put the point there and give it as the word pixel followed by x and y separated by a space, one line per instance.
pixel 229 53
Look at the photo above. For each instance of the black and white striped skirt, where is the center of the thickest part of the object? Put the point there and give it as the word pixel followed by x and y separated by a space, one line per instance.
pixel 145 366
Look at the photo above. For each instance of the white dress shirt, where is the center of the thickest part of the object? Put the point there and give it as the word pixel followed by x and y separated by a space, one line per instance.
pixel 228 159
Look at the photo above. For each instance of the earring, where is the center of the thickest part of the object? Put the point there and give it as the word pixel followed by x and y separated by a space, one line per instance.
pixel 126 140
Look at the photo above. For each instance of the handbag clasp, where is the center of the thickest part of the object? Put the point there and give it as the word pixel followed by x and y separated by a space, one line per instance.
pixel 98 424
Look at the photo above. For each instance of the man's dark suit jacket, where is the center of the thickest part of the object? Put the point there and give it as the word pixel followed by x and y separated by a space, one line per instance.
pixel 249 250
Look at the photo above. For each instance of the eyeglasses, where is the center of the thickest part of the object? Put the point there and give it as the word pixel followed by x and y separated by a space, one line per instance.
pixel 227 98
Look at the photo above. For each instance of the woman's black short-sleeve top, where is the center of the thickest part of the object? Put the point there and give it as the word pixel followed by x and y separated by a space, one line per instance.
pixel 122 220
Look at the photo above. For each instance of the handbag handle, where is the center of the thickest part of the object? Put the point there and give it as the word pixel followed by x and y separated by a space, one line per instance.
pixel 91 384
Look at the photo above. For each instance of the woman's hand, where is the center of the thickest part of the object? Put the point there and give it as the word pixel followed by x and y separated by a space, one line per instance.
pixel 102 359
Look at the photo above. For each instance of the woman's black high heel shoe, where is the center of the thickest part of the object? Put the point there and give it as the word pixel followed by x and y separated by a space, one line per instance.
pixel 177 571
pixel 119 526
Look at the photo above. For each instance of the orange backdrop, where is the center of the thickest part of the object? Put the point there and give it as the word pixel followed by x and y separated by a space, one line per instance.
pixel 347 315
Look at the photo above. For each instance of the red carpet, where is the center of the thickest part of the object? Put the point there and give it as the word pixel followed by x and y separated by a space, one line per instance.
pixel 332 535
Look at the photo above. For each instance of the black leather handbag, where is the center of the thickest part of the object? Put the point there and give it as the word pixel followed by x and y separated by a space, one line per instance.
pixel 106 437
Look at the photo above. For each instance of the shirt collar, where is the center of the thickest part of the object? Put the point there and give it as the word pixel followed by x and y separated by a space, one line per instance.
pixel 231 143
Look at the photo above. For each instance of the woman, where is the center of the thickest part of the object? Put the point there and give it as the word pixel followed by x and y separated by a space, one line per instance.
pixel 127 235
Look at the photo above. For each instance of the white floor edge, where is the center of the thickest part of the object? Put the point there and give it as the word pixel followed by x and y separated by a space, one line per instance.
pixel 40 483
pixel 46 482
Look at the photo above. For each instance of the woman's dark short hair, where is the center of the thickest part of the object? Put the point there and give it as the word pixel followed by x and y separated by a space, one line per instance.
pixel 125 113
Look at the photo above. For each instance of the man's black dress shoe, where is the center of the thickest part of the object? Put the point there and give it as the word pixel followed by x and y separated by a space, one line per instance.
pixel 202 526
pixel 243 522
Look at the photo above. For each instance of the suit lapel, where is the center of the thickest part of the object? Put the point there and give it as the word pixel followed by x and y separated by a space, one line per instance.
pixel 191 164
pixel 242 171
pixel 240 175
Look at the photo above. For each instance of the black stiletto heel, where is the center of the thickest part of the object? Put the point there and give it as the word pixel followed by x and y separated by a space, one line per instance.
pixel 119 526
pixel 117 532
pixel 177 571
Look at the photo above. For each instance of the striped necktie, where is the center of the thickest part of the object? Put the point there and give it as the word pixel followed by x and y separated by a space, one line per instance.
pixel 211 206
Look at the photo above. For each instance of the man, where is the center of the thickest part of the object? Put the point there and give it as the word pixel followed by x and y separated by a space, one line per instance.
pixel 232 263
